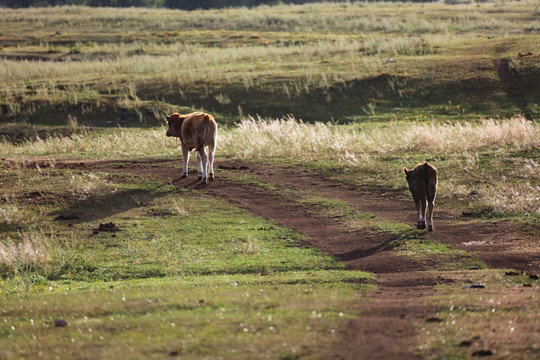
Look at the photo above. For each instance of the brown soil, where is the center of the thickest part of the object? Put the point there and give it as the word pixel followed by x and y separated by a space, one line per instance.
pixel 388 327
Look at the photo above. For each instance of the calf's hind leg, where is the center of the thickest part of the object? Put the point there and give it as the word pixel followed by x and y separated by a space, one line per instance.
pixel 211 151
pixel 423 213
pixel 199 166
pixel 430 215
pixel 431 203
pixel 185 157
pixel 420 209
pixel 204 164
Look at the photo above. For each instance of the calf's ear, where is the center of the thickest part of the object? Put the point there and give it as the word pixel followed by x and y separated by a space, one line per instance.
pixel 405 171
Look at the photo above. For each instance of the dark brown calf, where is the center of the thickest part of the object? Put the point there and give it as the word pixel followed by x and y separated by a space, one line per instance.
pixel 196 131
pixel 422 181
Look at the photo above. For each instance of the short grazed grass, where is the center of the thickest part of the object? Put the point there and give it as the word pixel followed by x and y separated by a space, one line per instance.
pixel 447 257
pixel 499 320
pixel 230 316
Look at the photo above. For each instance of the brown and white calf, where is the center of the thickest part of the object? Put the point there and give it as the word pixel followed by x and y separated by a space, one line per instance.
pixel 196 131
pixel 422 181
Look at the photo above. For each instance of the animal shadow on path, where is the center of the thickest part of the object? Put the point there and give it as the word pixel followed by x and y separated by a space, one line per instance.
pixel 362 253
pixel 195 184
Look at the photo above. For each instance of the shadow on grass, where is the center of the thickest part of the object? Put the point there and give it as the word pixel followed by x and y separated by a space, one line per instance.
pixel 101 206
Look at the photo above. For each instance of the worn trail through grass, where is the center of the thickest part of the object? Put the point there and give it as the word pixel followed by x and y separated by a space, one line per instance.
pixel 368 229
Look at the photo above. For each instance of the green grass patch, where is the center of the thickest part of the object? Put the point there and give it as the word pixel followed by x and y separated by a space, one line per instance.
pixel 445 257
pixel 58 218
pixel 233 316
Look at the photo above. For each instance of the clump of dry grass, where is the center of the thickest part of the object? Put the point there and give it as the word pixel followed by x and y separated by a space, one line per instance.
pixel 25 254
pixel 125 142
pixel 13 214
pixel 86 184
pixel 282 137
pixel 10 213
pixel 517 133
pixel 511 197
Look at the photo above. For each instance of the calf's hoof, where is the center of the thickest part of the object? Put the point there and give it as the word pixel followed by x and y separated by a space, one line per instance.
pixel 430 228
pixel 211 178
pixel 203 181
pixel 183 176
pixel 421 226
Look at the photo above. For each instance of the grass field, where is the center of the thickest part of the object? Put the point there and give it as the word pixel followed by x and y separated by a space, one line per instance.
pixel 351 91
pixel 319 62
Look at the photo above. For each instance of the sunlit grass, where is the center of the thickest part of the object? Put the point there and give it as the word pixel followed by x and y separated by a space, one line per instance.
pixel 254 138
pixel 289 137
pixel 460 148
pixel 120 143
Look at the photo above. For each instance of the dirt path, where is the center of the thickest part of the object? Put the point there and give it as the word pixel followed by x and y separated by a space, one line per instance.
pixel 389 325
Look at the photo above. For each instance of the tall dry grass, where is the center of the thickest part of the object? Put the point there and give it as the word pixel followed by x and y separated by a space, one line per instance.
pixel 185 64
pixel 120 143
pixel 132 45
pixel 289 137
pixel 22 255
pixel 517 134
pixel 389 17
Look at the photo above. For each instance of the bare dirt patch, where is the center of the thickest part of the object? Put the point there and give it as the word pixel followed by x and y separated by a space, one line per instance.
pixel 388 328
